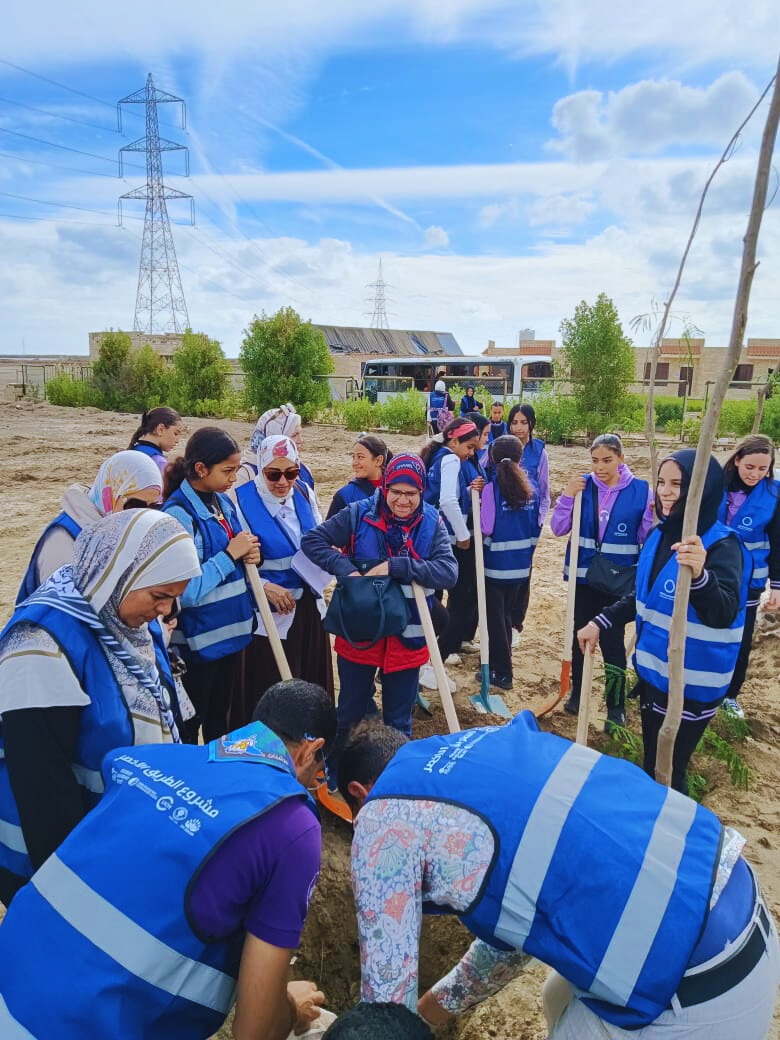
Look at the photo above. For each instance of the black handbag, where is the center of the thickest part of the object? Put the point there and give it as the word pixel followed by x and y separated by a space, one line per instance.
pixel 365 609
pixel 604 575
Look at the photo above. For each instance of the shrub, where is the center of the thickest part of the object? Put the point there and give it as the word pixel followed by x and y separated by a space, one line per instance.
pixel 556 418
pixel 72 393
pixel 147 381
pixel 110 373
pixel 286 359
pixel 736 418
pixel 201 375
pixel 361 414
pixel 404 413
pixel 770 422
pixel 667 409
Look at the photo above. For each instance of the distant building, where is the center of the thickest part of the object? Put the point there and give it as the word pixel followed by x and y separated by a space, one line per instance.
pixel 165 343
pixel 688 363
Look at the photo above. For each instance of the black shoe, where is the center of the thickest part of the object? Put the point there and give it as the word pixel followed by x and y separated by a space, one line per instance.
pixel 503 682
pixel 615 717
pixel 572 706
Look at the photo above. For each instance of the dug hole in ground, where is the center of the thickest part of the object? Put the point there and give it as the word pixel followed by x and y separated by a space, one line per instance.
pixel 47 448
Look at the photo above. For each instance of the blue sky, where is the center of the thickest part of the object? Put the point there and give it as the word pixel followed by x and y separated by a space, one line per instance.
pixel 504 159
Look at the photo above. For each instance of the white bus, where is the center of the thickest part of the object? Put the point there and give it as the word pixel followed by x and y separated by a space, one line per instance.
pixel 516 376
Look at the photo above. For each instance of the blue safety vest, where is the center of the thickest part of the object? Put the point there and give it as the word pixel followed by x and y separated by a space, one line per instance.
pixel 104 723
pixel 432 492
pixel 276 544
pixel 368 543
pixel 306 475
pixel 751 521
pixel 30 580
pixel 105 921
pixel 710 653
pixel 151 450
pixel 436 402
pixel 532 456
pixel 356 491
pixel 503 431
pixel 223 622
pixel 509 550
pixel 597 870
pixel 621 536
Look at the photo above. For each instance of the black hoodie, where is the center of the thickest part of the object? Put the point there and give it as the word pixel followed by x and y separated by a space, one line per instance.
pixel 715 600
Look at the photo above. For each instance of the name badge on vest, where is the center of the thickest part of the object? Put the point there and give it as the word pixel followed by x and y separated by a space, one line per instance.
pixel 252 743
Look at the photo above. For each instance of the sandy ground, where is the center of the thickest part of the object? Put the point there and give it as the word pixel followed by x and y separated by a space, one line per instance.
pixel 46 448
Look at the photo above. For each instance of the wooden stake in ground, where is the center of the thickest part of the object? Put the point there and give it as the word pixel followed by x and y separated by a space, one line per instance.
pixel 586 690
pixel 568 626
pixel 438 665
pixel 253 577
pixel 709 427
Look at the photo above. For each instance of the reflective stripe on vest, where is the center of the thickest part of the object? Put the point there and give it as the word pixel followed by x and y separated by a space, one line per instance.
pixel 276 542
pixel 710 653
pixel 126 942
pixel 509 550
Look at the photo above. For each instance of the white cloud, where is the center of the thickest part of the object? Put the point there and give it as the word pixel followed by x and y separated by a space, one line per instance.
pixel 560 210
pixel 436 237
pixel 650 116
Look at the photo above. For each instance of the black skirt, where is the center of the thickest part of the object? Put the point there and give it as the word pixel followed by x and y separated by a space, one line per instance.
pixel 307 648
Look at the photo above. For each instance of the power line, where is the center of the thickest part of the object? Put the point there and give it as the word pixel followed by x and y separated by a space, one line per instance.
pixel 57 166
pixel 64 147
pixel 61 205
pixel 57 115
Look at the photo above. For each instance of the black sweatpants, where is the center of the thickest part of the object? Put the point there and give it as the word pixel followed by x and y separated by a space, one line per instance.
pixel 461 603
pixel 501 604
pixel 208 684
pixel 520 608
pixel 740 669
pixel 587 604
pixel 696 717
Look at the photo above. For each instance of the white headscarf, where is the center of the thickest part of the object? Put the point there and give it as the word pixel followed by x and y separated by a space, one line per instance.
pixel 283 421
pixel 121 476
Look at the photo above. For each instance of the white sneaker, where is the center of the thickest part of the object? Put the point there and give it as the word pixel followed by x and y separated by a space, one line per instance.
pixel 470 647
pixel 515 639
pixel 428 679
pixel 453 659
pixel 732 707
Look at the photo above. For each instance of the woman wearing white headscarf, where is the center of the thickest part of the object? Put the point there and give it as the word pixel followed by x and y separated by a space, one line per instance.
pixel 279 509
pixel 283 421
pixel 127 478
pixel 80 675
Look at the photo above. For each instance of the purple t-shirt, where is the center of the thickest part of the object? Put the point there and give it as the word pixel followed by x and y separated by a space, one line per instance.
pixel 261 878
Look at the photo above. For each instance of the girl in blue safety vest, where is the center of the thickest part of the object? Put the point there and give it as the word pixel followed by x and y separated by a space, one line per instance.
pixel 751 506
pixel 450 478
pixel 510 525
pixel 217 616
pixel 369 458
pixel 721 569
pixel 279 509
pixel 283 421
pixel 617 513
pixel 536 465
pixel 159 432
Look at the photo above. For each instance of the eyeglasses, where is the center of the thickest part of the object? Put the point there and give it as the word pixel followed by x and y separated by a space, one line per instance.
pixel 275 475
pixel 409 496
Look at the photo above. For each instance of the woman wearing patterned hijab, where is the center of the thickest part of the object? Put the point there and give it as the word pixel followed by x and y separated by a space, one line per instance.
pixel 80 674
pixel 283 421
pixel 125 479
pixel 399 534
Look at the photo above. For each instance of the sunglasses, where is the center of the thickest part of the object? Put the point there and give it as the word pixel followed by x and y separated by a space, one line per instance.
pixel 275 475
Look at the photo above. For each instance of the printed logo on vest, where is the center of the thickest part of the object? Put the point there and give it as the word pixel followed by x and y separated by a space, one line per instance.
pixel 668 590
pixel 746 521
pixel 165 803
pixel 622 528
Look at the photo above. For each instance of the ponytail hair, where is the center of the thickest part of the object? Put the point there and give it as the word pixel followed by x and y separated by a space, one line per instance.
pixel 162 416
pixel 209 445
pixel 376 447
pixel 461 429
pixel 756 444
pixel 610 441
pixel 505 454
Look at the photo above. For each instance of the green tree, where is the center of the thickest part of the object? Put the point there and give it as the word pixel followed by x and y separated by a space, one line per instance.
pixel 598 361
pixel 148 380
pixel 201 375
pixel 110 372
pixel 285 359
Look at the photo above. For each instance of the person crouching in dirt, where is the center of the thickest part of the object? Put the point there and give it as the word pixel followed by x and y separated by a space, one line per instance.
pixel 183 892
pixel 634 894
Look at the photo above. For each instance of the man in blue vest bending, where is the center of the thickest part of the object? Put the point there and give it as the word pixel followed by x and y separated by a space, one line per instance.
pixel 636 896
pixel 183 892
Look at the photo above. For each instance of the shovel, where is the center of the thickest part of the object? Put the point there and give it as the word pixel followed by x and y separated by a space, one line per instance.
pixel 253 577
pixel 484 701
pixel 568 628
pixel 436 661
